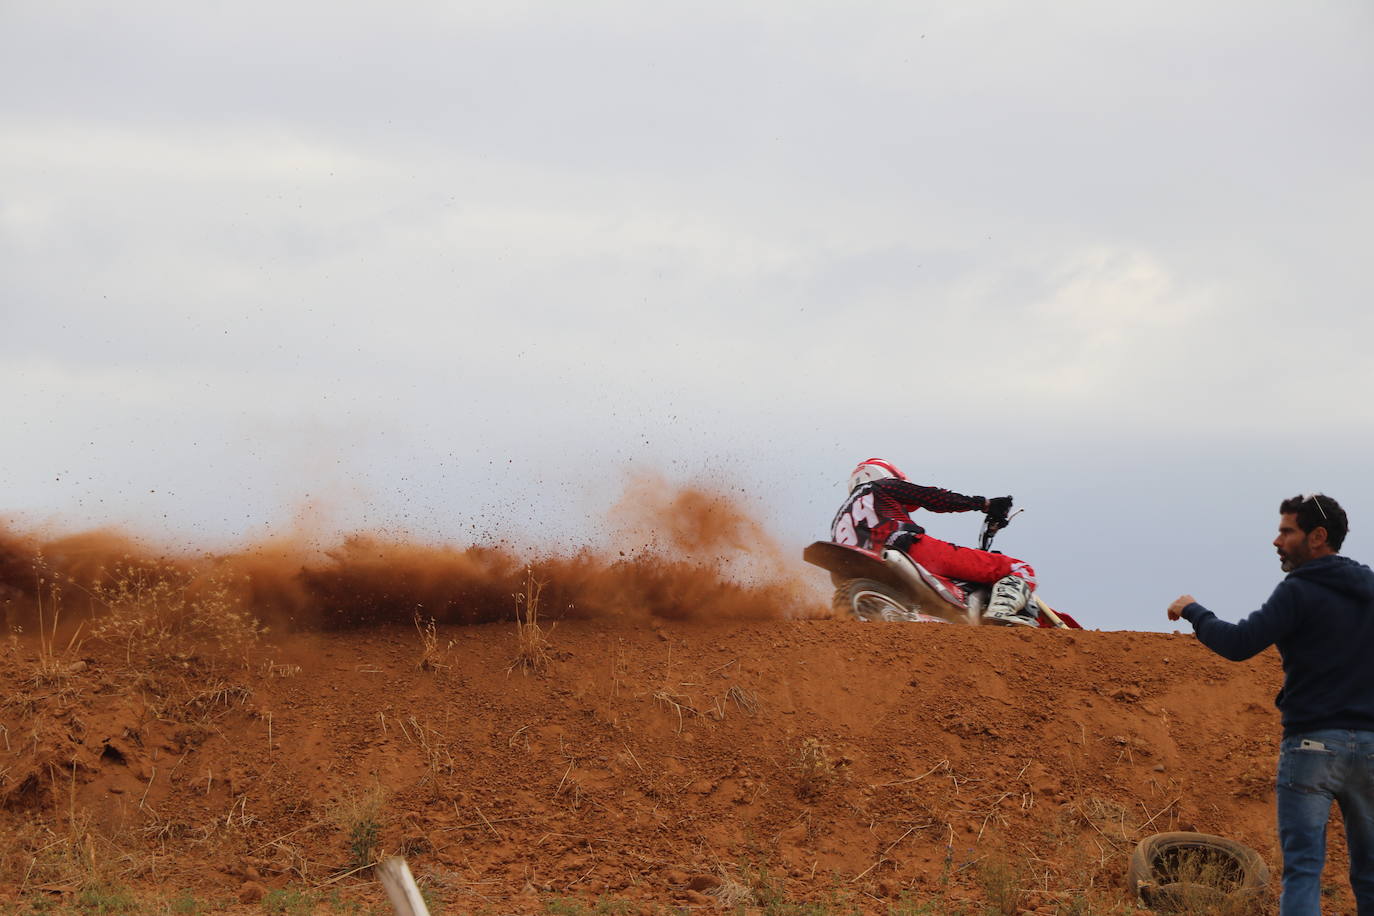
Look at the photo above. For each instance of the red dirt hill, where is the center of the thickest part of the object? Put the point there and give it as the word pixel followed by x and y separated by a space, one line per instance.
pixel 803 766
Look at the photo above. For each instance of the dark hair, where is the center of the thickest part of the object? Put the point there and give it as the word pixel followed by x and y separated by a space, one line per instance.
pixel 1317 510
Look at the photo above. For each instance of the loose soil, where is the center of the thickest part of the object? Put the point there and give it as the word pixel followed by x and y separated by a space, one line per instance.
pixel 651 763
pixel 663 739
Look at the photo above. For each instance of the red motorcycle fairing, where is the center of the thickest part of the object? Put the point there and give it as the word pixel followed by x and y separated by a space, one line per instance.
pixel 845 562
pixel 856 563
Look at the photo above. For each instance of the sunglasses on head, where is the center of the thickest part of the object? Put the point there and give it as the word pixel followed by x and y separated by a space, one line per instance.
pixel 1315 497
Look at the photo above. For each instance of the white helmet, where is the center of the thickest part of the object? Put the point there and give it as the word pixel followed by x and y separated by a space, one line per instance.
pixel 873 469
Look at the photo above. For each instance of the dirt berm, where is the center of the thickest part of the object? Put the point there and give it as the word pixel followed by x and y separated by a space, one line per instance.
pixel 782 766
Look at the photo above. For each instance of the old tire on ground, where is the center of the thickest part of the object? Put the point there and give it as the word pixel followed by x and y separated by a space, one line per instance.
pixel 866 599
pixel 1176 872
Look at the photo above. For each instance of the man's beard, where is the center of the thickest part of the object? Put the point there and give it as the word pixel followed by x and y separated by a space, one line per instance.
pixel 1291 561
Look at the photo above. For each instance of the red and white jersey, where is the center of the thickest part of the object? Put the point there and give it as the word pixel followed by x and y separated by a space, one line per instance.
pixel 876 509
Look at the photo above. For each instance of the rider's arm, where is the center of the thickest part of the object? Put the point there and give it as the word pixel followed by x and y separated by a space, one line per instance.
pixel 934 499
pixel 1275 619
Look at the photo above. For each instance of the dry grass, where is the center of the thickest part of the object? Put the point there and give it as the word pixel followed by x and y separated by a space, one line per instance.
pixel 53 663
pixel 746 700
pixel 531 642
pixel 432 656
pixel 360 818
pixel 271 669
pixel 158 632
pixel 64 850
pixel 1199 882
pixel 1003 880
pixel 435 748
pixel 731 894
pixel 815 772
pixel 161 613
pixel 679 703
pixel 179 638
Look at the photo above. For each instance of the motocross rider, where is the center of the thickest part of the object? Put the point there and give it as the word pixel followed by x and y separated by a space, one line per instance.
pixel 877 514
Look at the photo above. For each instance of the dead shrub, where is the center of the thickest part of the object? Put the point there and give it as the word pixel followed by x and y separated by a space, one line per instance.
pixel 159 613
pixel 54 664
pixel 531 642
pixel 360 818
pixel 432 657
pixel 1003 881
pixel 815 772
pixel 1202 882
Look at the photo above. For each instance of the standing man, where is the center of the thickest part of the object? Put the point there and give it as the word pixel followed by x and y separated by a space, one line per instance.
pixel 1321 616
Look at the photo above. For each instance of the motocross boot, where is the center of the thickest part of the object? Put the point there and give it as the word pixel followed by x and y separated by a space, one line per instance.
pixel 1010 602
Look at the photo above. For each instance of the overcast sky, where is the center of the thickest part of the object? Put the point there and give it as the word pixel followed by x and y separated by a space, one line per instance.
pixel 448 268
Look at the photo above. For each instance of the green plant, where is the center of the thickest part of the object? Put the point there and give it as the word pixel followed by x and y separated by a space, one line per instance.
pixel 360 819
pixel 38 905
pixel 565 906
pixel 362 842
pixel 604 906
pixel 99 899
pixel 1003 883
pixel 785 908
pixel 185 905
pixel 290 901
pixel 433 901
pixel 906 905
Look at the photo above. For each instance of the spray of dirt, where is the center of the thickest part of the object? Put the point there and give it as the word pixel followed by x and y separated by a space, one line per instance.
pixel 683 553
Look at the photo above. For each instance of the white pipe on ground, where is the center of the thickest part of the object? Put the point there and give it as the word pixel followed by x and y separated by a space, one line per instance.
pixel 401 888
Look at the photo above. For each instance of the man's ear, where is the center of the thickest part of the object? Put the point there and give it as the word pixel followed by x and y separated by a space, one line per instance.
pixel 1317 536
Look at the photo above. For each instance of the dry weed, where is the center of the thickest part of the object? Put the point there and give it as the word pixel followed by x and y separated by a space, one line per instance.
pixel 161 614
pixel 532 643
pixel 69 853
pixel 434 746
pixel 679 703
pixel 815 772
pixel 360 818
pixel 432 657
pixel 54 664
pixel 1004 882
pixel 271 669
pixel 732 895
pixel 179 635
pixel 1200 882
pixel 746 700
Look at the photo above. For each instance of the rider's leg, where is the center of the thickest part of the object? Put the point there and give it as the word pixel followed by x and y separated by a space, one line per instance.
pixel 1011 600
pixel 955 562
pixel 1013 581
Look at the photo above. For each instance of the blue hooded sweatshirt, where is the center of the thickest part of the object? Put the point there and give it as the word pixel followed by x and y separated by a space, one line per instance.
pixel 1321 616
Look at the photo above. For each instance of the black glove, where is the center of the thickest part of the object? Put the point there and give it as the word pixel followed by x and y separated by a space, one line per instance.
pixel 907 533
pixel 999 507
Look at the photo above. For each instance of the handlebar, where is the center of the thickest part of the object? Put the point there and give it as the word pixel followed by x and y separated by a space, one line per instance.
pixel 993 524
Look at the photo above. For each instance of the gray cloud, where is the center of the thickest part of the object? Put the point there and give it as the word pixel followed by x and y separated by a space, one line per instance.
pixel 1097 256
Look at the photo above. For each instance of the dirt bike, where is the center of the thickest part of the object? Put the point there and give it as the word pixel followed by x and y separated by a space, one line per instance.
pixel 887 584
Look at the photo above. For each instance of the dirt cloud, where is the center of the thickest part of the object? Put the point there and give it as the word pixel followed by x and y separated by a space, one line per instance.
pixel 676 552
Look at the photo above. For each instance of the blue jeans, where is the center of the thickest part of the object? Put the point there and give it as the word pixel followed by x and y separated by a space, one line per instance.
pixel 1316 769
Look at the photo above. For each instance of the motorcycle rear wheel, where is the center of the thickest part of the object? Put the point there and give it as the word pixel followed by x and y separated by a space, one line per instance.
pixel 865 599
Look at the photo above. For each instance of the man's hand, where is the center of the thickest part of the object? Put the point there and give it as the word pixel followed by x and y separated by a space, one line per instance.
pixel 999 506
pixel 1176 609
